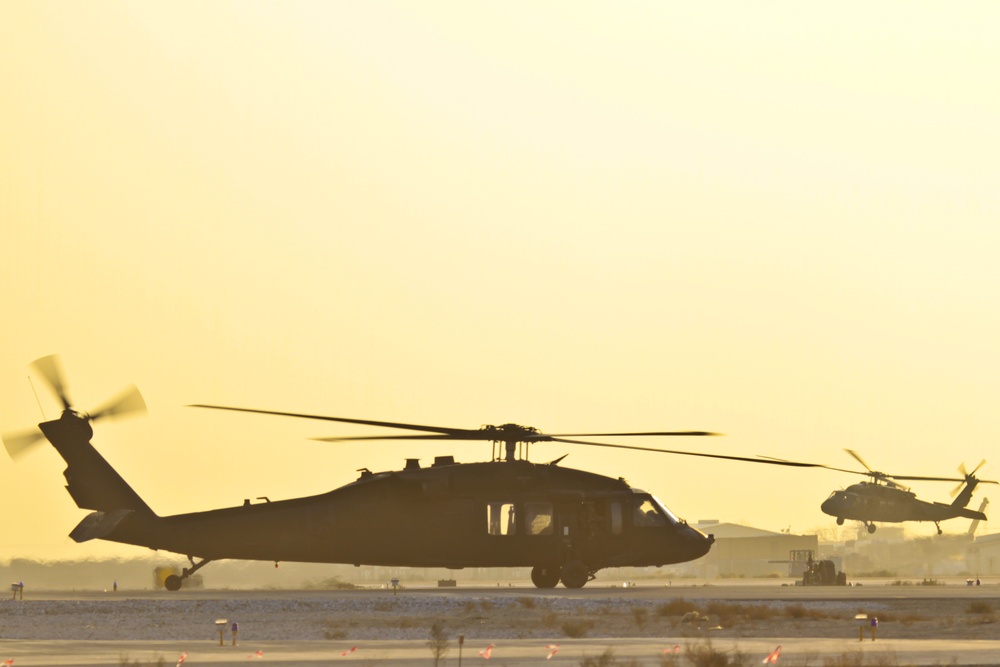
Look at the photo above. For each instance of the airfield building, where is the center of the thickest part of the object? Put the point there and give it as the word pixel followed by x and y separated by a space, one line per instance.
pixel 743 551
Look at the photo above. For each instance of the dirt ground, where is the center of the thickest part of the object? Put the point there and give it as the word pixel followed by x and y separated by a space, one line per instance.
pixel 527 617
pixel 487 615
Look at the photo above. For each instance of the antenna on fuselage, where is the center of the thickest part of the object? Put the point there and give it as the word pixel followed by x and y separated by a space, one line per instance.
pixel 37 400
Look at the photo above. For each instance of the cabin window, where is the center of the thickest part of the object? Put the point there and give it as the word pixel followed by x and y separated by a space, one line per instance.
pixel 647 516
pixel 616 518
pixel 501 518
pixel 538 518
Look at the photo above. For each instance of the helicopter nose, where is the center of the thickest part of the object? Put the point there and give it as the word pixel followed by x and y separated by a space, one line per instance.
pixel 697 543
pixel 832 506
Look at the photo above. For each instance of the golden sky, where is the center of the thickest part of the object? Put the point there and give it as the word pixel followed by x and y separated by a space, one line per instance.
pixel 779 221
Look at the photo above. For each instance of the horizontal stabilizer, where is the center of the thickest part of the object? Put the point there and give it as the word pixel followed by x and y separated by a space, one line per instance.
pixel 98 525
pixel 972 514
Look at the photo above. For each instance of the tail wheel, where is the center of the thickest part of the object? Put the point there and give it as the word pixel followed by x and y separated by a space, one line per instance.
pixel 545 577
pixel 574 574
pixel 871 528
pixel 174 581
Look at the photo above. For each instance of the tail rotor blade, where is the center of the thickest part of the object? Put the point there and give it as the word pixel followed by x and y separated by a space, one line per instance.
pixel 19 444
pixel 128 401
pixel 49 368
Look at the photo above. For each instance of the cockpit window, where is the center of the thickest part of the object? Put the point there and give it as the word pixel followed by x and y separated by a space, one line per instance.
pixel 671 517
pixel 648 515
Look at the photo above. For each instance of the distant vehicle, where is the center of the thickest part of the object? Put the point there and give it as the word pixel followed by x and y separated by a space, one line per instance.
pixel 822 573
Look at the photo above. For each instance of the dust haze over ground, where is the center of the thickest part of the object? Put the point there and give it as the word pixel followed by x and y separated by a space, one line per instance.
pixel 138 573
pixel 522 612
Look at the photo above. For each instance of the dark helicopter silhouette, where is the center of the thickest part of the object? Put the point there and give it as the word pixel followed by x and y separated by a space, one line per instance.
pixel 885 500
pixel 564 524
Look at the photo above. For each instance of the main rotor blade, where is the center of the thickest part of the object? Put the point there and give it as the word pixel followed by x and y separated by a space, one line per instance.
pixel 18 444
pixel 349 438
pixel 49 368
pixel 815 465
pixel 776 462
pixel 859 460
pixel 610 435
pixel 129 400
pixel 919 478
pixel 453 432
pixel 486 433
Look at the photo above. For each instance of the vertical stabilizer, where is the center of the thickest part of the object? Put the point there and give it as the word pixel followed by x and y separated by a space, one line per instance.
pixel 975 522
pixel 90 480
pixel 963 498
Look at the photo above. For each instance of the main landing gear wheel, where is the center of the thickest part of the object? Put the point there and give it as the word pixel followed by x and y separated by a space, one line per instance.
pixel 574 574
pixel 871 528
pixel 173 583
pixel 544 577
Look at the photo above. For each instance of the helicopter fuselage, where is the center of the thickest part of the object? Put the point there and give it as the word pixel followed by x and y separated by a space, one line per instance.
pixel 454 515
pixel 869 502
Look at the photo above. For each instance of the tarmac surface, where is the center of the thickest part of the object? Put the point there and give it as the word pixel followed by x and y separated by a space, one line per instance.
pixel 741 589
pixel 570 652
pixel 157 628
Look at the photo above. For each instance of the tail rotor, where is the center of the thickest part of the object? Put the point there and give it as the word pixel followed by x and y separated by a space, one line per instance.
pixel 969 476
pixel 21 442
pixel 128 402
pixel 50 369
